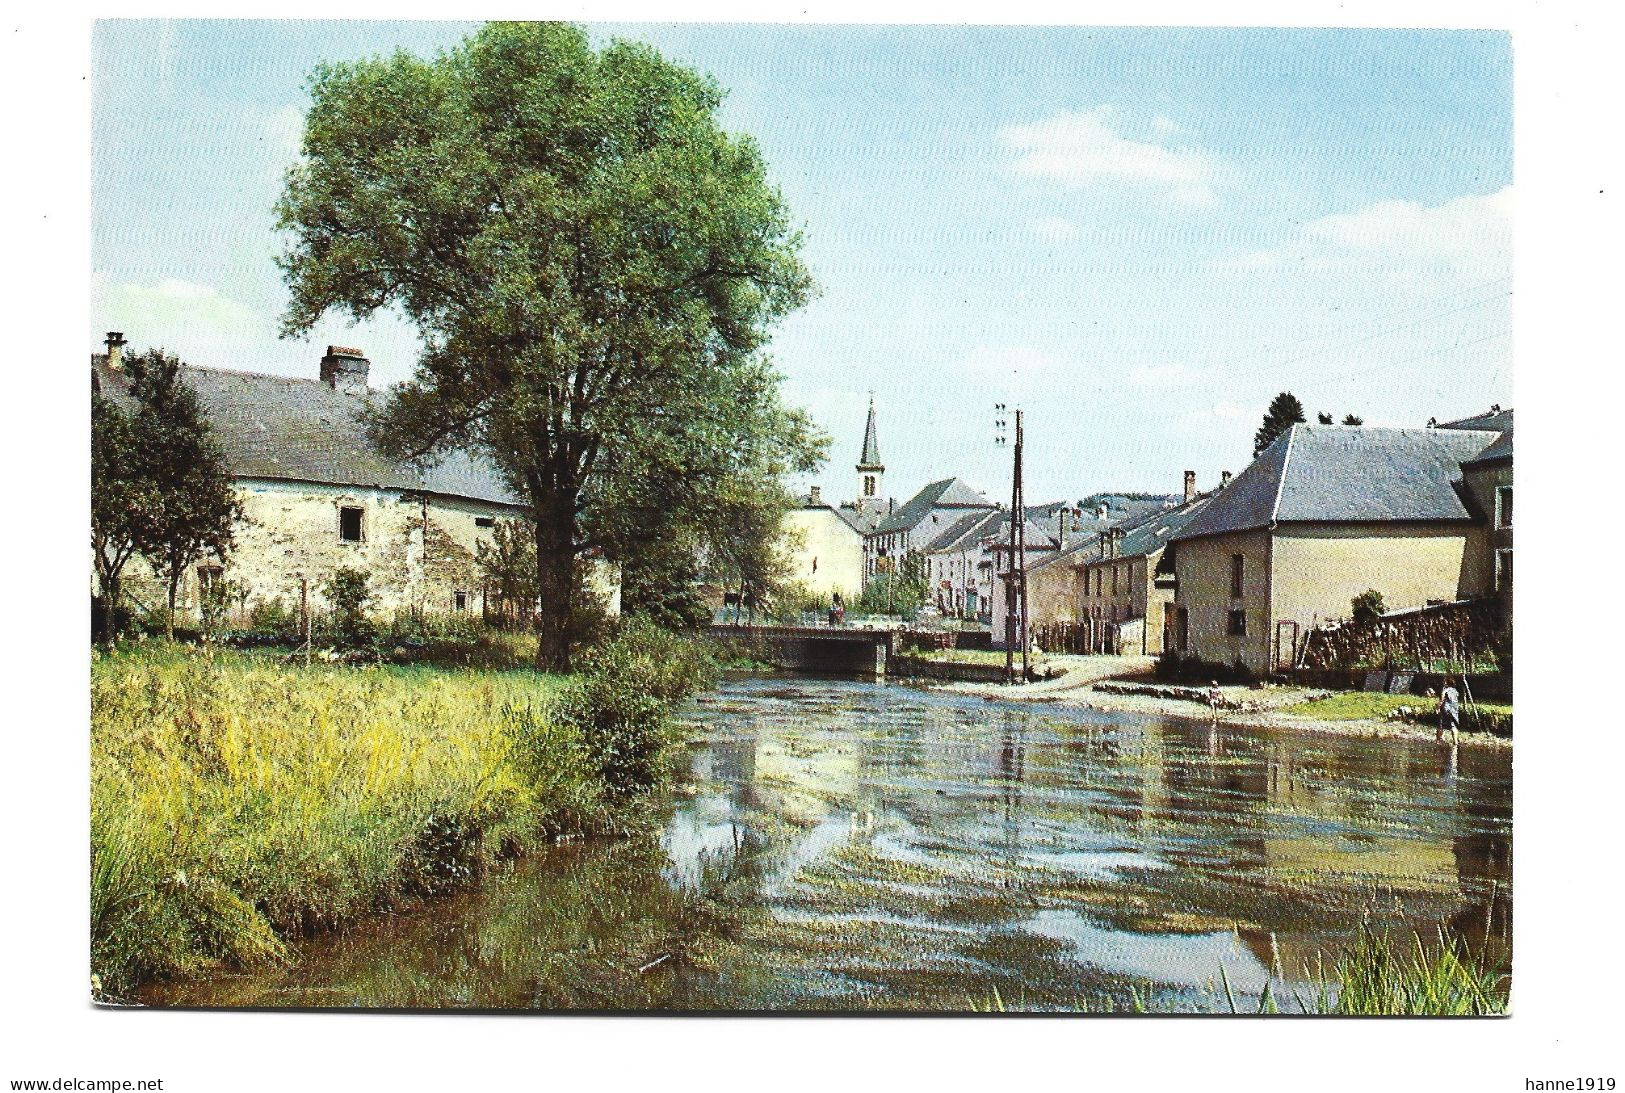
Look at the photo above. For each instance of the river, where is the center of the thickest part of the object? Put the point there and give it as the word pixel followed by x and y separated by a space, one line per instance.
pixel 863 846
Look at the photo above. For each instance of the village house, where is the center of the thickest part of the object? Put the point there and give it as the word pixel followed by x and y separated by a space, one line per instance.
pixel 1488 477
pixel 827 546
pixel 317 497
pixel 1120 607
pixel 912 526
pixel 1325 513
pixel 826 541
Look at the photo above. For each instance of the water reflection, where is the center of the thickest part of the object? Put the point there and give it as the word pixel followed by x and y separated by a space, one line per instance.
pixel 856 846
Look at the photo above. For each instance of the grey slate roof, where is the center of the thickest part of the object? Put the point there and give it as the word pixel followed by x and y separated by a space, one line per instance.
pixel 1346 474
pixel 1154 532
pixel 1493 421
pixel 1501 449
pixel 302 430
pixel 949 493
pixel 859 522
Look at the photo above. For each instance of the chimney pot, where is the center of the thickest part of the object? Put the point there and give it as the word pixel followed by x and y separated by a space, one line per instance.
pixel 345 369
pixel 1224 479
pixel 115 349
pixel 816 496
pixel 1190 485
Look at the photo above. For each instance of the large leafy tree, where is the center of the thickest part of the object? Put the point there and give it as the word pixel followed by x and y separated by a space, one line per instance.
pixel 121 498
pixel 591 262
pixel 192 503
pixel 1284 412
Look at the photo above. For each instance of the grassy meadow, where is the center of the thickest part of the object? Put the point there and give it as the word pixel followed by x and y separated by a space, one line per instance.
pixel 240 800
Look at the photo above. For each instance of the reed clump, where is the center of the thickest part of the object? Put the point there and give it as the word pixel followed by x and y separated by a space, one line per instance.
pixel 239 801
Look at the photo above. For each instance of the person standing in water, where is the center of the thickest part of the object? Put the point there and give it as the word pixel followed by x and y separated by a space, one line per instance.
pixel 1449 711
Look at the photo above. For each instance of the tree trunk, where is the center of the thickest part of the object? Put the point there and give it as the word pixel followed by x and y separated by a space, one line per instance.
pixel 174 594
pixel 110 592
pixel 555 583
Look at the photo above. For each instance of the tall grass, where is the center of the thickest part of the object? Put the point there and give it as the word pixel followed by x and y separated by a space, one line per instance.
pixel 237 802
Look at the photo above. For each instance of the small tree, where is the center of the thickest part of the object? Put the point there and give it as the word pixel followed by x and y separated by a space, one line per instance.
pixel 121 499
pixel 1353 419
pixel 1324 418
pixel 1367 606
pixel 347 595
pixel 192 505
pixel 1284 412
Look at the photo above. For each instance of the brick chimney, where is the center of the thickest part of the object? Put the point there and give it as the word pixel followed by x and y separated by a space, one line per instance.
pixel 1224 479
pixel 115 350
pixel 345 369
pixel 816 497
pixel 1190 485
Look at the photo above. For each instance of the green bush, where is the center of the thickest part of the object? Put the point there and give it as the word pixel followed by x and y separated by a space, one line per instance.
pixel 620 702
pixel 347 595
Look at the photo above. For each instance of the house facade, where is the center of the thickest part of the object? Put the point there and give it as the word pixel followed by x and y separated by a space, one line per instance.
pixel 316 497
pixel 1322 515
pixel 911 527
pixel 827 550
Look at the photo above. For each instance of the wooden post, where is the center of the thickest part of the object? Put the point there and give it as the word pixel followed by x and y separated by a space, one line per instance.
pixel 304 614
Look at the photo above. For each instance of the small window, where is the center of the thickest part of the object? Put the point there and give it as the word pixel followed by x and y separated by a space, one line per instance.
pixel 459 601
pixel 1238 623
pixel 1238 566
pixel 1503 570
pixel 485 522
pixel 207 577
pixel 350 524
pixel 1503 507
pixel 868 485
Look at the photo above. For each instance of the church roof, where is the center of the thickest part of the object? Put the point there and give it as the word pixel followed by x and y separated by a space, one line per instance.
pixel 303 430
pixel 870 459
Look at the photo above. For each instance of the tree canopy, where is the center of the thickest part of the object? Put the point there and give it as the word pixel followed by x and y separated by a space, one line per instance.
pixel 592 263
pixel 193 506
pixel 1284 412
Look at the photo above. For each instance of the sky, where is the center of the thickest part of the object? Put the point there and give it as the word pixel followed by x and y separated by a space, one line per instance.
pixel 1138 236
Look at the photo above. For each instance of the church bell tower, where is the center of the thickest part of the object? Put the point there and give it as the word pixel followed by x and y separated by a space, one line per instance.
pixel 871 471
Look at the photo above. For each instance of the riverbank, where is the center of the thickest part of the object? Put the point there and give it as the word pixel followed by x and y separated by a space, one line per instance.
pixel 239 801
pixel 1271 707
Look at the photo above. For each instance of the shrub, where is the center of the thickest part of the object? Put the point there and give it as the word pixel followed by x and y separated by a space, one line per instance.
pixel 347 595
pixel 619 703
pixel 1367 606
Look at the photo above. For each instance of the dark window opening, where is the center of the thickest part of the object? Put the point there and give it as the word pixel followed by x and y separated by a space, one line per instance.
pixel 207 576
pixel 350 524
pixel 1238 623
pixel 485 522
pixel 1237 570
pixel 868 485
pixel 1503 570
pixel 459 601
pixel 1503 507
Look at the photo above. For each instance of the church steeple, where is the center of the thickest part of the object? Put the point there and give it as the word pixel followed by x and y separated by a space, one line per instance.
pixel 871 471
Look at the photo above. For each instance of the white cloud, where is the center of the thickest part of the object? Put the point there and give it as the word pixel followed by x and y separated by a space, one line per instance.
pixel 1080 149
pixel 1471 235
pixel 1053 229
pixel 171 304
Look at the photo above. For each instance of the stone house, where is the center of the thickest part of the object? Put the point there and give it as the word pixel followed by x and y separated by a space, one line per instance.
pixel 1488 477
pixel 959 565
pixel 827 546
pixel 1323 514
pixel 317 497
pixel 911 527
pixel 1119 603
pixel 827 541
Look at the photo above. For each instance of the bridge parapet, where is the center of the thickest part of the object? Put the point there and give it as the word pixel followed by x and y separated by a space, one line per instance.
pixel 835 650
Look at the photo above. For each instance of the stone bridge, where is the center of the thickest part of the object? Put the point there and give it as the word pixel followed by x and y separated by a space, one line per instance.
pixel 836 650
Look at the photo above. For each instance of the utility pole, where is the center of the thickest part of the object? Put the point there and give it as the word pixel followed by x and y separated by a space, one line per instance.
pixel 1015 577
